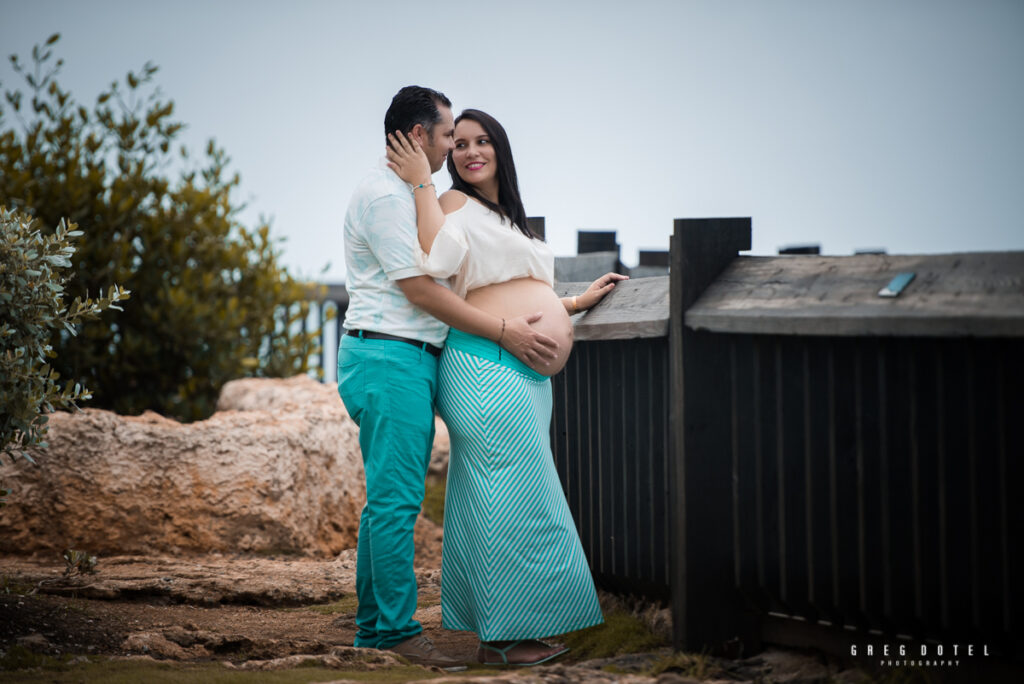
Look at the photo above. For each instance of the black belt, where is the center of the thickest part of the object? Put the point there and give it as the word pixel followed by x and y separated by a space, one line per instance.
pixel 370 335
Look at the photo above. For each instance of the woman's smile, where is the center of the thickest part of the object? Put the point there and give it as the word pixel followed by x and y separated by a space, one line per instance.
pixel 473 154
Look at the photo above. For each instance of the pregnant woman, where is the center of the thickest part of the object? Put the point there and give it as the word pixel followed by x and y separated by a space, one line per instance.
pixel 513 569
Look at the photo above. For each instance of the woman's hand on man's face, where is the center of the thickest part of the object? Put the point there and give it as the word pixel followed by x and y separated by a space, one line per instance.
pixel 407 159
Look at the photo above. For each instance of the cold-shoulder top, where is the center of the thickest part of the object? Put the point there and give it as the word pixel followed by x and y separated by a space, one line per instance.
pixel 477 247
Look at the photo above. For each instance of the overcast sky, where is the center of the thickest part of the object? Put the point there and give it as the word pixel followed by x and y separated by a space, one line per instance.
pixel 855 124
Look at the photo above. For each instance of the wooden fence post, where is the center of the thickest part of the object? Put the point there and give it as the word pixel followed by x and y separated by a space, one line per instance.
pixel 706 607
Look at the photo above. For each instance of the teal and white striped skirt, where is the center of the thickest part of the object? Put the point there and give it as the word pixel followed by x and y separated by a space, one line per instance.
pixel 512 566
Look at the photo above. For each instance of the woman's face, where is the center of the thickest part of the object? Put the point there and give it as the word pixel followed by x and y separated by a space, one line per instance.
pixel 474 157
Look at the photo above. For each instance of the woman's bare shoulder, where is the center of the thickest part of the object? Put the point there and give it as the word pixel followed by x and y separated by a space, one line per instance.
pixel 452 200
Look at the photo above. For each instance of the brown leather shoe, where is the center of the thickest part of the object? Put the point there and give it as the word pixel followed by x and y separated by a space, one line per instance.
pixel 419 650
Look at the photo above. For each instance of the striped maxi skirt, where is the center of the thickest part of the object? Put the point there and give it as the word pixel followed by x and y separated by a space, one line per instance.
pixel 512 565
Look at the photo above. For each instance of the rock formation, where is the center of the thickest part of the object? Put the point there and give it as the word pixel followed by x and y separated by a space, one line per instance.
pixel 276 469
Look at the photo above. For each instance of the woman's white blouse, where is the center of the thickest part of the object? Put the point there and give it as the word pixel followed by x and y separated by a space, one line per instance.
pixel 477 247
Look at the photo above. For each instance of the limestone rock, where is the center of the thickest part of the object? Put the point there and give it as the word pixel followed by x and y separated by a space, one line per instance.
pixel 208 580
pixel 278 470
pixel 347 657
pixel 289 395
pixel 439 454
pixel 158 646
pixel 36 643
pixel 427 537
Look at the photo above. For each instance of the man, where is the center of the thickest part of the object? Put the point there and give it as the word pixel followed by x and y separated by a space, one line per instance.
pixel 396 323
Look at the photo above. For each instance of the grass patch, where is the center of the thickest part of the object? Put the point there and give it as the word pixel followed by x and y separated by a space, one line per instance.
pixel 13 585
pixel 132 672
pixel 20 658
pixel 433 500
pixel 620 633
pixel 428 602
pixel 343 606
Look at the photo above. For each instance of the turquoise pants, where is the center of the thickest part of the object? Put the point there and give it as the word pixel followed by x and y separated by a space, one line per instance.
pixel 388 388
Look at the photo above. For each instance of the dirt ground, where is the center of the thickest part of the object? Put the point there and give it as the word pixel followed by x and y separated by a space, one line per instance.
pixel 204 607
pixel 293 619
pixel 129 625
pixel 248 613
pixel 243 618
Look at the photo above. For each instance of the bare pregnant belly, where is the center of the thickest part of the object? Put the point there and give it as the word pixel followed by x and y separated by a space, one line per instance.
pixel 525 296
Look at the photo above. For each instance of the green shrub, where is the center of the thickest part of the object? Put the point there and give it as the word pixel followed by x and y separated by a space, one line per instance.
pixel 79 562
pixel 211 301
pixel 32 312
pixel 433 499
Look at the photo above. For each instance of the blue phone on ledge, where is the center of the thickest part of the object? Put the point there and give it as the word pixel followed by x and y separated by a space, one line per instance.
pixel 896 285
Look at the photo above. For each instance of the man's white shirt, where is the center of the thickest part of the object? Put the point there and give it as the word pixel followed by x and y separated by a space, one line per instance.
pixel 381 246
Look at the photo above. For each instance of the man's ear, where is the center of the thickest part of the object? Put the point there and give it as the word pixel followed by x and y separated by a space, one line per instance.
pixel 420 133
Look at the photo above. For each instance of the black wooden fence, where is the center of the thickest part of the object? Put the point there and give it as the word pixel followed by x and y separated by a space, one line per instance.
pixel 784 482
pixel 610 440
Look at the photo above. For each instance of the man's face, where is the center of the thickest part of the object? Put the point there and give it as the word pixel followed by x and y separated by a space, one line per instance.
pixel 436 146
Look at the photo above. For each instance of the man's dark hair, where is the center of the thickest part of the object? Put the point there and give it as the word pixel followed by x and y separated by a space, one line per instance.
pixel 509 203
pixel 414 105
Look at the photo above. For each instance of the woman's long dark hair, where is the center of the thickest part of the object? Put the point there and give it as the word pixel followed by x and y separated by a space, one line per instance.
pixel 509 205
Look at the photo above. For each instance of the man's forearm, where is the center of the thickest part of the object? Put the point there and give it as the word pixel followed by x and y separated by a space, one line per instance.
pixel 452 310
pixel 515 334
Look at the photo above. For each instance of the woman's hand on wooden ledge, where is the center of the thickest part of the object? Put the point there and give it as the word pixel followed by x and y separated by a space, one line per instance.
pixel 595 293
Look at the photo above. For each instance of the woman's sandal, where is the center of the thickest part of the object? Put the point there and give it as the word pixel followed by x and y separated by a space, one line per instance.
pixel 503 652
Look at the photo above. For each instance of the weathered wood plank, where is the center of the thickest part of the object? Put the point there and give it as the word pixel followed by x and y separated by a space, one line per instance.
pixel 634 309
pixel 966 294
